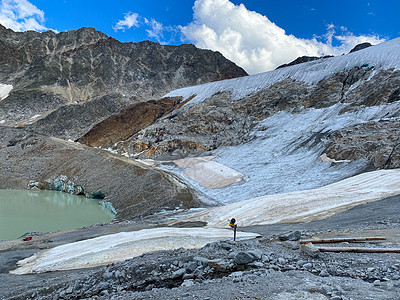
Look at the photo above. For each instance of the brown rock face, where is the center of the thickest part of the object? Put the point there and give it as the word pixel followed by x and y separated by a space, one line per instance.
pixel 129 121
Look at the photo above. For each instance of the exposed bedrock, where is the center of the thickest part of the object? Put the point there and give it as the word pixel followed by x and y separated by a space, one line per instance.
pixel 379 142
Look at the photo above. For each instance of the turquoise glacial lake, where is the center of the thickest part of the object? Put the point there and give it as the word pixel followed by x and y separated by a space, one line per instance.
pixel 47 211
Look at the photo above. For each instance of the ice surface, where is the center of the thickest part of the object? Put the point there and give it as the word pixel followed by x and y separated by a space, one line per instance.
pixel 285 154
pixel 122 246
pixel 382 56
pixel 207 173
pixel 5 89
pixel 309 205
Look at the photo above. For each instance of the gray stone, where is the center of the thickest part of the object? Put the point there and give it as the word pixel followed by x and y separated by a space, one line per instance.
pixel 191 267
pixel 291 245
pixel 201 261
pixel 265 258
pixel 257 254
pixel 301 262
pixel 221 265
pixel 256 264
pixel 307 266
pixel 117 274
pixel 290 236
pixel 189 276
pixel 188 282
pixel 103 286
pixel 324 273
pixel 69 290
pixel 178 274
pixel 281 260
pixel 243 258
pixel 107 275
pixel 310 250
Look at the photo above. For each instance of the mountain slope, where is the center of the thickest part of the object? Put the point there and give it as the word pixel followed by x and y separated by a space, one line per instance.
pixel 49 71
pixel 294 128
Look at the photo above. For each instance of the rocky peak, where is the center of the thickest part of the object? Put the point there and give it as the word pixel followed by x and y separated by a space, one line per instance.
pixel 302 59
pixel 360 47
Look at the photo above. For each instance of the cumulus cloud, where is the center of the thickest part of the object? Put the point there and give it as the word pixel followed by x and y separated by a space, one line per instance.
pixel 255 43
pixel 130 20
pixel 21 15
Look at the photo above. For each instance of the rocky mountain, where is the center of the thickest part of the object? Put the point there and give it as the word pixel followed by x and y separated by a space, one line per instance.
pixel 48 72
pixel 303 59
pixel 300 60
pixel 360 47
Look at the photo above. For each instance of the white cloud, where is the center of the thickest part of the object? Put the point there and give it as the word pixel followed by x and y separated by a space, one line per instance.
pixel 255 43
pixel 156 29
pixel 21 15
pixel 130 20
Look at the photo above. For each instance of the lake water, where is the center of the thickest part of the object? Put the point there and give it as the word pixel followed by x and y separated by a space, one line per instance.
pixel 47 211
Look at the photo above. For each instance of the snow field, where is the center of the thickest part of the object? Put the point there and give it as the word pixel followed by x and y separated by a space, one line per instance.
pixel 308 205
pixel 382 56
pixel 121 246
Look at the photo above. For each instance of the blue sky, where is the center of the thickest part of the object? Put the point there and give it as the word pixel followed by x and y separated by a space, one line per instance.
pixel 257 35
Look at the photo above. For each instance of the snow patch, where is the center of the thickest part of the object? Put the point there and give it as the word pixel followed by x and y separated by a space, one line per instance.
pixel 122 246
pixel 213 175
pixel 207 173
pixel 5 90
pixel 382 57
pixel 325 158
pixel 305 206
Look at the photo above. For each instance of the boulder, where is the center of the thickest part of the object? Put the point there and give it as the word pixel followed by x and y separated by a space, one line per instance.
pixel 310 249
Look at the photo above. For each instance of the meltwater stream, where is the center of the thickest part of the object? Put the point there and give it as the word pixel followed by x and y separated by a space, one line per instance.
pixel 46 211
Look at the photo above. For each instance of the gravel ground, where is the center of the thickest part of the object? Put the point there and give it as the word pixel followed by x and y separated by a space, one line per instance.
pixel 265 268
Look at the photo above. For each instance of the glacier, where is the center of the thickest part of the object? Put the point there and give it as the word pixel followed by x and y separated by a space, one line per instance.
pixel 285 154
pixel 382 57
